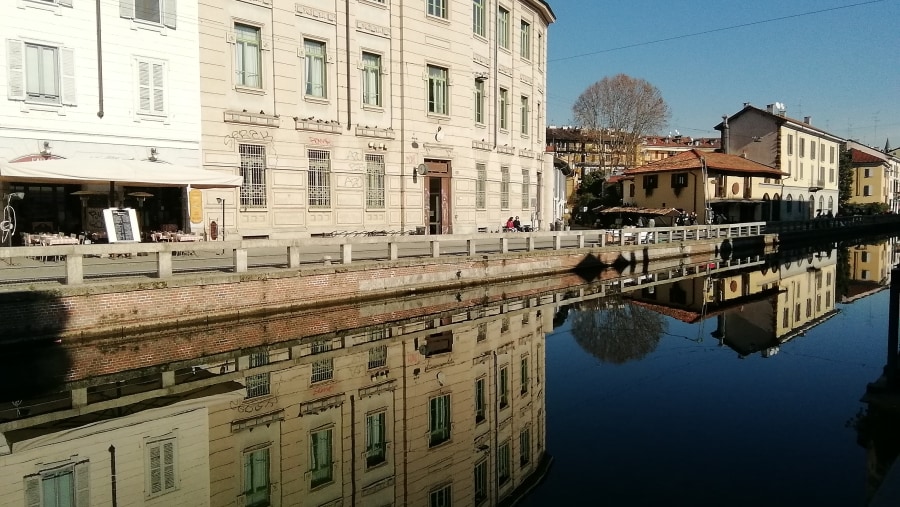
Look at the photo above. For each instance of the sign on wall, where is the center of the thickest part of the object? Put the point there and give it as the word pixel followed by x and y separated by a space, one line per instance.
pixel 121 225
pixel 195 203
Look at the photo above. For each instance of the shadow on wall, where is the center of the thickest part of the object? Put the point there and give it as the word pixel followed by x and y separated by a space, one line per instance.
pixel 35 363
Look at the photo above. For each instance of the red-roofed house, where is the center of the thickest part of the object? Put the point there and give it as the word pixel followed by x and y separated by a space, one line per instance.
pixel 709 184
pixel 875 176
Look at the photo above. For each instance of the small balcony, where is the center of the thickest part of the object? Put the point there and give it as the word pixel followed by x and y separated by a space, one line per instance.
pixel 817 185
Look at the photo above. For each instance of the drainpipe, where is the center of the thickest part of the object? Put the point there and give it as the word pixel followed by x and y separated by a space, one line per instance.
pixel 112 463
pixel 99 63
pixel 402 125
pixel 353 446
pixel 704 171
pixel 347 34
pixel 495 70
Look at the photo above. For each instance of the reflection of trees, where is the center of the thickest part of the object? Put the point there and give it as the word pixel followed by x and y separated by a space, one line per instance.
pixel 615 331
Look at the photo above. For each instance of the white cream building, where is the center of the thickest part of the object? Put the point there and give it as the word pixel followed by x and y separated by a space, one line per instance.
pixel 114 79
pixel 375 115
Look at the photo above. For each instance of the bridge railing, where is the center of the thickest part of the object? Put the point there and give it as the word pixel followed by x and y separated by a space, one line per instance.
pixel 72 264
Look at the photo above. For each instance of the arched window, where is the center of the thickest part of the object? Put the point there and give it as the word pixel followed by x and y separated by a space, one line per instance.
pixel 831 204
pixel 790 204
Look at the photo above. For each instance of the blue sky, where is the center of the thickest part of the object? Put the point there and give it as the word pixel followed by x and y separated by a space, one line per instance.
pixel 837 61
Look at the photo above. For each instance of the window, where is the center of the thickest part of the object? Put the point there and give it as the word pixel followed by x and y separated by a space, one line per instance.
pixel 481 483
pixel 831 154
pixel 503 28
pixel 247 55
pixel 151 80
pixel 319 178
pixel 253 171
pixel 679 180
pixel 540 432
pixel 438 93
pixel 161 465
pixel 440 497
pixel 375 443
pixel 650 181
pixel 867 172
pixel 504 187
pixel 525 447
pixel 864 256
pixel 864 275
pixel 526 188
pixel 523 111
pixel 322 369
pixel 258 385
pixel 480 403
pixel 38 73
pixel 524 374
pixel 790 144
pixel 377 355
pixel 812 150
pixel 504 106
pixel 478 17
pixel 481 186
pixel 437 8
pixel 503 388
pixel 371 79
pixel 316 82
pixel 320 470
pixel 503 463
pixel 256 478
pixel 802 147
pixel 720 186
pixel 374 181
pixel 867 190
pixel 525 40
pixel 61 486
pixel 439 420
pixel 479 101
pixel 159 12
pixel 482 332
pixel 540 48
pixel 148 10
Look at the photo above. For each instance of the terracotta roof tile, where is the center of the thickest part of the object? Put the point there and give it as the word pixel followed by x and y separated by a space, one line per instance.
pixel 715 162
pixel 861 157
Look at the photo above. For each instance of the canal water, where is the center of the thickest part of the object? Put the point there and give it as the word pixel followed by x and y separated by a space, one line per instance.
pixel 744 381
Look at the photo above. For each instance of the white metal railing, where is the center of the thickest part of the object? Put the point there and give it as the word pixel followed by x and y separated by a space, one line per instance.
pixel 72 264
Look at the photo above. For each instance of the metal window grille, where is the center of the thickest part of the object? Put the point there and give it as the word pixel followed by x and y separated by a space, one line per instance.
pixel 526 188
pixel 375 181
pixel 319 179
pixel 258 385
pixel 324 368
pixel 378 357
pixel 504 187
pixel 481 186
pixel 253 171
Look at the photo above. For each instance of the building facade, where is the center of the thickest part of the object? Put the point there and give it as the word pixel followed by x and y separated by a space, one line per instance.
pixel 140 104
pixel 374 115
pixel 876 177
pixel 807 155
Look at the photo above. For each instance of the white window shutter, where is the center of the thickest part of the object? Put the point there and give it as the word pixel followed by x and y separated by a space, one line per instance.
pixel 67 76
pixel 15 57
pixel 126 9
pixel 170 13
pixel 144 91
pixel 33 490
pixel 168 463
pixel 65 3
pixel 159 98
pixel 82 484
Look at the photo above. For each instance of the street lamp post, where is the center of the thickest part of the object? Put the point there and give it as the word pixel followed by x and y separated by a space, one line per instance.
pixel 222 202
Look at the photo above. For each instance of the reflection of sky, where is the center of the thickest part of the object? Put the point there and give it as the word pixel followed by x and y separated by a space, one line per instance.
pixel 692 424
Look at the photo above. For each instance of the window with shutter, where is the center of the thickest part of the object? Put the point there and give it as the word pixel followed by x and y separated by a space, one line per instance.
pixel 157 12
pixel 151 78
pixel 40 73
pixel 162 471
pixel 63 484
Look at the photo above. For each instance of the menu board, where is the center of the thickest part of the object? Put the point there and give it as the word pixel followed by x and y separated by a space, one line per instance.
pixel 121 225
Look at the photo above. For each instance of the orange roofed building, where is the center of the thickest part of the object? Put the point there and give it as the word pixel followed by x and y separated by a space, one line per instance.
pixel 710 184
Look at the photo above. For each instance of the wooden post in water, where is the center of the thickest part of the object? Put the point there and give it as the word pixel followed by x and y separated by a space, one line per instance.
pixel 890 369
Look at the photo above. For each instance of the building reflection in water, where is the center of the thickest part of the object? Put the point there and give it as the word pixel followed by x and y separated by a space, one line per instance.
pixel 442 409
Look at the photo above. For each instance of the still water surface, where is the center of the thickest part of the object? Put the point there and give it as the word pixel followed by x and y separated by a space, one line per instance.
pixel 735 382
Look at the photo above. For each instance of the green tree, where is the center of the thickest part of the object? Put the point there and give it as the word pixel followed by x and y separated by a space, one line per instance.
pixel 616 331
pixel 845 181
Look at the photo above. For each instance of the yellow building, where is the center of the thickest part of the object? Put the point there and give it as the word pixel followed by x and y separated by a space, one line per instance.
pixel 710 184
pixel 872 176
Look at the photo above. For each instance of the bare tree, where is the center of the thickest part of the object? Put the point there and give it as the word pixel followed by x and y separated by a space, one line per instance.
pixel 619 111
pixel 615 331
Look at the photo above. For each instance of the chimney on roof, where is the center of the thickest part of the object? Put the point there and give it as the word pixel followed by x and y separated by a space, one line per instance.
pixel 807 119
pixel 726 134
pixel 770 108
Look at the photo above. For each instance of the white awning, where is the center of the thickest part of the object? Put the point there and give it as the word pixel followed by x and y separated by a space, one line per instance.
pixel 121 172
